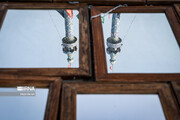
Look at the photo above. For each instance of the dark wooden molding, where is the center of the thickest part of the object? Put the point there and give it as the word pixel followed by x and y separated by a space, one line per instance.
pixel 84 41
pixel 52 83
pixel 99 48
pixel 176 87
pixel 175 25
pixel 102 2
pixel 107 2
pixel 177 9
pixel 29 0
pixel 70 90
pixel 3 11
pixel 162 2
pixel 39 5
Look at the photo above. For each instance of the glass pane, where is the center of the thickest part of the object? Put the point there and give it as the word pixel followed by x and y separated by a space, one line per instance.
pixel 33 39
pixel 119 107
pixel 22 107
pixel 149 45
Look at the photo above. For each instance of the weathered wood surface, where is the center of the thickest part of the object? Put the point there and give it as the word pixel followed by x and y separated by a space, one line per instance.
pixel 176 87
pixel 99 48
pixel 84 41
pixel 177 9
pixel 52 83
pixel 70 90
pixel 161 2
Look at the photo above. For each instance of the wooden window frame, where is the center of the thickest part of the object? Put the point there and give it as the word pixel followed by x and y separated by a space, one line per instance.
pixel 52 83
pixel 177 8
pixel 99 48
pixel 176 88
pixel 70 90
pixel 165 2
pixel 84 41
pixel 107 2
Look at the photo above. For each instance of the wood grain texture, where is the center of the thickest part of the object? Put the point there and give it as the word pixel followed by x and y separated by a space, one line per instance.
pixel 99 49
pixel 99 55
pixel 39 5
pixel 25 1
pixel 84 41
pixel 52 83
pixel 107 2
pixel 131 9
pixel 85 54
pixel 176 87
pixel 161 2
pixel 29 0
pixel 177 9
pixel 3 11
pixel 70 90
pixel 175 25
pixel 52 106
pixel 86 1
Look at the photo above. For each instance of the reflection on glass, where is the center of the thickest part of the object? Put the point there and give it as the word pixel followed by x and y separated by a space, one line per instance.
pixel 70 41
pixel 119 107
pixel 23 107
pixel 149 45
pixel 114 42
pixel 40 39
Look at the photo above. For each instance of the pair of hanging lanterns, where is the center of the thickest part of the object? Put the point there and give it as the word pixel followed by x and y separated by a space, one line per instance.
pixel 69 42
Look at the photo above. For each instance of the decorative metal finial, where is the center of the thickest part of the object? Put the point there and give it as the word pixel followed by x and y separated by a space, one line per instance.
pixel 69 42
pixel 114 42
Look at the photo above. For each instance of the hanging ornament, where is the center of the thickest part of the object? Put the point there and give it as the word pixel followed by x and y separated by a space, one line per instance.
pixel 102 19
pixel 69 42
pixel 111 67
pixel 69 66
pixel 77 16
pixel 109 15
pixel 114 42
pixel 70 13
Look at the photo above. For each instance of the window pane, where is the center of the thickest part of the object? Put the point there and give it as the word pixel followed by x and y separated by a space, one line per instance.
pixel 149 45
pixel 23 107
pixel 119 107
pixel 33 39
